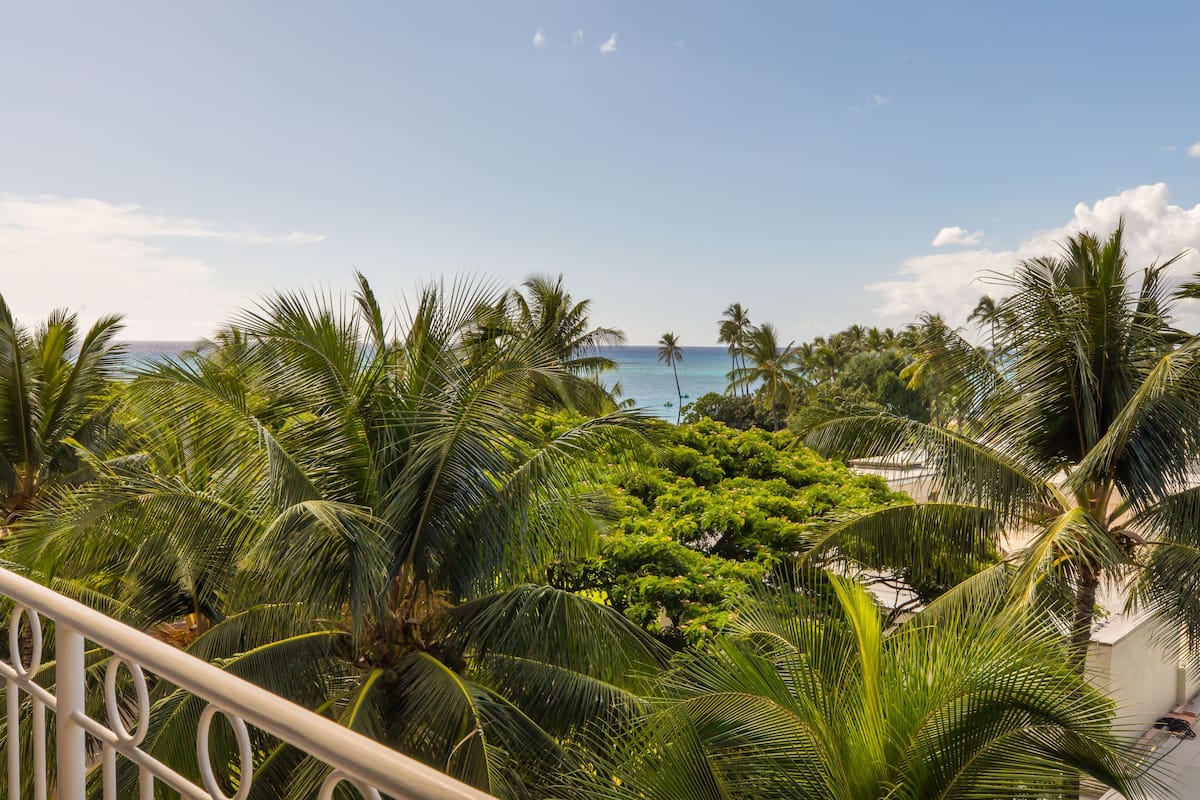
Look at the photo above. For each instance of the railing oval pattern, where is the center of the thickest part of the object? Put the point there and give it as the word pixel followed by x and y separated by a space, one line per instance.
pixel 112 702
pixel 374 770
pixel 337 777
pixel 245 755
pixel 35 641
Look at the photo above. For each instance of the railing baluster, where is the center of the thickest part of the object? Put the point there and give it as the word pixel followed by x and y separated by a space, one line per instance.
pixel 13 696
pixel 109 766
pixel 71 741
pixel 39 750
pixel 145 784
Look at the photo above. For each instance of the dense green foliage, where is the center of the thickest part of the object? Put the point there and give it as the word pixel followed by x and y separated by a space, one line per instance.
pixel 356 528
pixel 862 366
pixel 437 530
pixel 1080 428
pixel 875 378
pixel 806 698
pixel 54 393
pixel 717 514
pixel 771 369
pixel 738 411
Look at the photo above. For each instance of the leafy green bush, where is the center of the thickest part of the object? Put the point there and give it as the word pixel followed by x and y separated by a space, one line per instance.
pixel 737 411
pixel 873 378
pixel 720 510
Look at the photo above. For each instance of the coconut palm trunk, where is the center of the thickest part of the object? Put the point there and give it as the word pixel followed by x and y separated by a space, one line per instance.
pixel 678 392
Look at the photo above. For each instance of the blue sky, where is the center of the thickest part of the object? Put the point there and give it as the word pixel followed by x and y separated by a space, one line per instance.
pixel 173 160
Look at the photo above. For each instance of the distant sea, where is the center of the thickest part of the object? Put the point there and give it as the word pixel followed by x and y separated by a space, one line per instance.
pixel 651 384
pixel 639 375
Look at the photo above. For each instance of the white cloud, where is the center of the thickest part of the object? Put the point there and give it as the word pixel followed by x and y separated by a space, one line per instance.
pixel 880 100
pixel 577 36
pixel 609 45
pixel 97 257
pixel 956 235
pixel 678 43
pixel 539 38
pixel 1194 150
pixel 949 283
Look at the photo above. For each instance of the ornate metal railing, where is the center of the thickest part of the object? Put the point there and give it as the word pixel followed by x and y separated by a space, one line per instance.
pixel 82 745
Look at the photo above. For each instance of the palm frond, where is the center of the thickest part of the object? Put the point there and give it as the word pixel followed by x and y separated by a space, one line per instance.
pixel 960 469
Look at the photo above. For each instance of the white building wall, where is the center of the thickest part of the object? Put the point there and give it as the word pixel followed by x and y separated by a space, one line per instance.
pixel 1126 660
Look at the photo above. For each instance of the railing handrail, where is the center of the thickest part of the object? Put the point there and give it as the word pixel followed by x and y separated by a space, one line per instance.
pixel 360 758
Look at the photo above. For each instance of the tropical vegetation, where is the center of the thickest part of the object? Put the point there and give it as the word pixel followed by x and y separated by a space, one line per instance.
pixel 441 529
pixel 54 397
pixel 670 353
pixel 734 331
pixel 805 696
pixel 1073 444
pixel 773 368
pixel 867 366
pixel 358 529
pixel 721 510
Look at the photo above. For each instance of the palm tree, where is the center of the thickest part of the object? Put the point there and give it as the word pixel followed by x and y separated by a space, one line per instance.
pixel 1084 443
pixel 670 353
pixel 546 310
pixel 54 396
pixel 809 698
pixel 735 329
pixel 828 362
pixel 775 370
pixel 856 337
pixel 360 528
pixel 927 374
pixel 990 313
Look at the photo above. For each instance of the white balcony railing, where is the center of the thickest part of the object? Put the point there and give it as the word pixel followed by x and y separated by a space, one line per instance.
pixel 373 769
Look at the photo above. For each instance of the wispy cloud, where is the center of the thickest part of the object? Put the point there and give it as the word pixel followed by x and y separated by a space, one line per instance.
pixel 577 37
pixel 539 38
pixel 956 235
pixel 874 101
pixel 678 43
pixel 102 257
pixel 609 45
pixel 1194 150
pixel 1168 148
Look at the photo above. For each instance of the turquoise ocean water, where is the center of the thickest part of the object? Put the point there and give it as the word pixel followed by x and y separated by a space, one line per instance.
pixel 640 375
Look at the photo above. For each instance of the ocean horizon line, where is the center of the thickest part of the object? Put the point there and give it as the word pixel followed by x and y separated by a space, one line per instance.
pixel 191 342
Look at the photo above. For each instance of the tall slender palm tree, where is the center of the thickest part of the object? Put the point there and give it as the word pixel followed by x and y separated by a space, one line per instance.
pixel 800 700
pixel 734 330
pixel 359 528
pixel 989 313
pixel 985 311
pixel 55 394
pixel 1084 443
pixel 727 335
pixel 774 369
pixel 671 354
